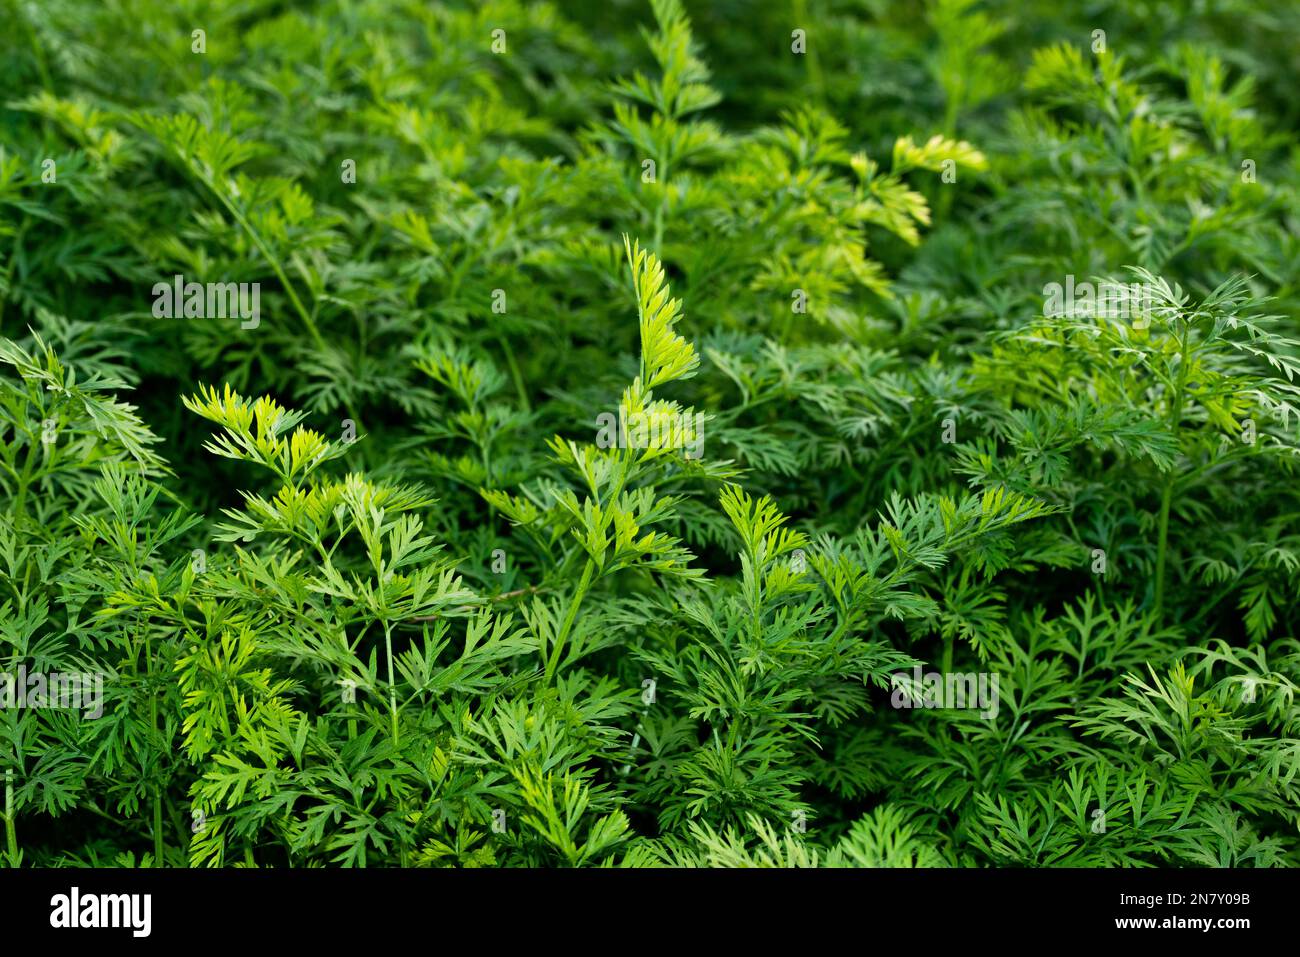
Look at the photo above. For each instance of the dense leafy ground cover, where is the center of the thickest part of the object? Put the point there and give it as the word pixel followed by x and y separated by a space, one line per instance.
pixel 630 410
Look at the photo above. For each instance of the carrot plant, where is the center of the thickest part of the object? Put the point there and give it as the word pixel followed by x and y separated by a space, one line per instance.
pixel 505 434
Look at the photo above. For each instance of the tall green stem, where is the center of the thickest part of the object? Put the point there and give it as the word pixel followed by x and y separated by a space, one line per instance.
pixel 274 263
pixel 515 374
pixel 158 847
pixel 11 829
pixel 392 683
pixel 659 214
pixel 392 714
pixel 157 829
pixel 1166 496
pixel 802 20
pixel 24 480
pixel 557 651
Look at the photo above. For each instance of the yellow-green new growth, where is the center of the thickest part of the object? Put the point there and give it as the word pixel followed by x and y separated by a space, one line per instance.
pixel 665 356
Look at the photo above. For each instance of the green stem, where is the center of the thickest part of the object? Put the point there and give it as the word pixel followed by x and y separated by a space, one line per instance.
pixel 158 848
pixel 11 831
pixel 273 263
pixel 801 19
pixel 659 220
pixel 157 829
pixel 1162 545
pixel 514 372
pixel 392 684
pixel 29 466
pixel 560 639
pixel 392 713
pixel 1167 494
